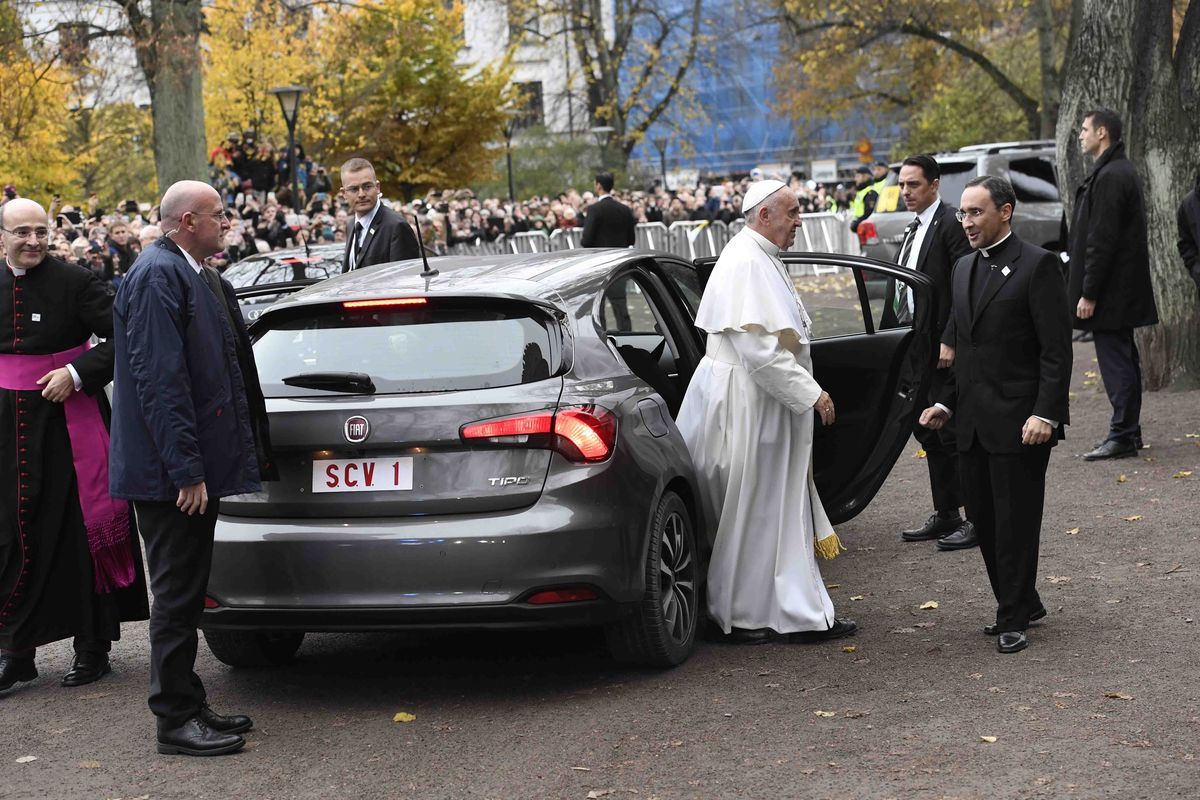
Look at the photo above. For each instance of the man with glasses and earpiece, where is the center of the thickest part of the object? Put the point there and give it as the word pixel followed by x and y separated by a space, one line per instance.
pixel 378 234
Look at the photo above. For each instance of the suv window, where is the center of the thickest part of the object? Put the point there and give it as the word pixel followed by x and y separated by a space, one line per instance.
pixel 1033 180
pixel 439 347
pixel 955 175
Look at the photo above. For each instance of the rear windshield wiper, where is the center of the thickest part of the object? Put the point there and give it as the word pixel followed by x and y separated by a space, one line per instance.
pixel 352 382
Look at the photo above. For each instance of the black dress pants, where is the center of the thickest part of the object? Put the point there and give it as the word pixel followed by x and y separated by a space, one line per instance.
pixel 1005 493
pixel 941 456
pixel 179 558
pixel 1121 370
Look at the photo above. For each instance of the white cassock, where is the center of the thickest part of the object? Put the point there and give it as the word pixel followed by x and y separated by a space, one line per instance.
pixel 748 420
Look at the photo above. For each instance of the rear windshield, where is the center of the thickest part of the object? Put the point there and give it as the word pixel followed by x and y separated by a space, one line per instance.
pixel 259 271
pixel 437 347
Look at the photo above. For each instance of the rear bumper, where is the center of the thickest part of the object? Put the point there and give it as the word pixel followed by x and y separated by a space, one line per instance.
pixel 383 574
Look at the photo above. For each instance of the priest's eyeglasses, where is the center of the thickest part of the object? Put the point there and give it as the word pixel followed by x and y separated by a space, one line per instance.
pixel 41 234
pixel 973 213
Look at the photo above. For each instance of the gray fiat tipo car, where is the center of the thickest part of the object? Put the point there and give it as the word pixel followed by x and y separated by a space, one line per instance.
pixel 491 443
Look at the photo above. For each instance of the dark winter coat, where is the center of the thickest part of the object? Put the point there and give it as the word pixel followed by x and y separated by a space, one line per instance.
pixel 1110 258
pixel 1188 218
pixel 186 402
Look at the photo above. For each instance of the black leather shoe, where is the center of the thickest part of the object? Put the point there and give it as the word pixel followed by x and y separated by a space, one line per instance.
pixel 750 635
pixel 841 628
pixel 233 723
pixel 14 670
pixel 963 538
pixel 194 738
pixel 990 630
pixel 1012 642
pixel 87 668
pixel 934 528
pixel 1137 442
pixel 1111 449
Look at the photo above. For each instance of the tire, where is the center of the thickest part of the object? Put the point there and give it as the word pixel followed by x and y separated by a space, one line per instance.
pixel 254 649
pixel 662 630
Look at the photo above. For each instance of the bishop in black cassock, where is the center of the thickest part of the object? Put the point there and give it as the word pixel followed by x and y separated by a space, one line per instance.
pixel 50 585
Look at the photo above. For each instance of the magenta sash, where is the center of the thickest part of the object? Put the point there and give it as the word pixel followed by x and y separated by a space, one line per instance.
pixel 106 519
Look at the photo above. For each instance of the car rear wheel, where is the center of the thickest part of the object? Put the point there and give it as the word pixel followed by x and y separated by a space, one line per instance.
pixel 254 649
pixel 662 631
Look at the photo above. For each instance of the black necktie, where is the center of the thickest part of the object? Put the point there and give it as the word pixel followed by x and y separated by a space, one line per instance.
pixel 900 303
pixel 354 245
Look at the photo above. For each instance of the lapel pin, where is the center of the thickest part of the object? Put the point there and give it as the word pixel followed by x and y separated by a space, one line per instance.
pixel 36 317
pixel 1005 271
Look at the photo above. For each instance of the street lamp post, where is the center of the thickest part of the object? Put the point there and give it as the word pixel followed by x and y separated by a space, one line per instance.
pixel 660 144
pixel 510 126
pixel 289 103
pixel 603 133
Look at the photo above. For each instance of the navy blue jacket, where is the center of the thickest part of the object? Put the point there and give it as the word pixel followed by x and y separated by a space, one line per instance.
pixel 181 414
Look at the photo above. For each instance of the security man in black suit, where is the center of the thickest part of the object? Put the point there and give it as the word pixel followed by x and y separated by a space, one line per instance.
pixel 1010 330
pixel 932 243
pixel 378 234
pixel 609 222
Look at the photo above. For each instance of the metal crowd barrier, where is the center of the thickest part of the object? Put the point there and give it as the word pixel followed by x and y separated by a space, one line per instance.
pixel 822 233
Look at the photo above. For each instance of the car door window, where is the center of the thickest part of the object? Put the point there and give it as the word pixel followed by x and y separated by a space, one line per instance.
pixel 633 320
pixel 685 282
pixel 1034 180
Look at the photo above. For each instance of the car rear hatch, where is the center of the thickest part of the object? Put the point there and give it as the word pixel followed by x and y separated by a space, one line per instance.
pixel 369 400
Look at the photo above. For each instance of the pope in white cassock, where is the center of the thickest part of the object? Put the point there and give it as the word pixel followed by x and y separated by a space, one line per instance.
pixel 748 420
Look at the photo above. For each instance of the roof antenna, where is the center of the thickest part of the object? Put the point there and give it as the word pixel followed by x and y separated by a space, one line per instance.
pixel 429 271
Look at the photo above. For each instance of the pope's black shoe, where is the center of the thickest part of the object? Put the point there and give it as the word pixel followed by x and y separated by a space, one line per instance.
pixel 87 668
pixel 1111 449
pixel 194 738
pixel 233 723
pixel 990 630
pixel 935 527
pixel 962 538
pixel 841 628
pixel 1012 642
pixel 750 635
pixel 14 670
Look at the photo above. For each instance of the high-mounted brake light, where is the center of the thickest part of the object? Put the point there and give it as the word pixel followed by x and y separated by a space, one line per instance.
pixel 394 301
pixel 583 434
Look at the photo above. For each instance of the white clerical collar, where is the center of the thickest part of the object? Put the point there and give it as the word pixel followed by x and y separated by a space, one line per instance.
pixel 601 197
pixel 766 244
pixel 926 216
pixel 984 250
pixel 20 273
pixel 366 219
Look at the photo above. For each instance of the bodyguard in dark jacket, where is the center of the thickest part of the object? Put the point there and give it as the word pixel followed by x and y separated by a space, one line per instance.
pixel 1188 218
pixel 189 427
pixel 1109 286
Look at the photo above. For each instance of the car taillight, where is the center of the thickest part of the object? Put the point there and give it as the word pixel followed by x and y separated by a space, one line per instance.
pixel 867 234
pixel 210 602
pixel 567 594
pixel 583 434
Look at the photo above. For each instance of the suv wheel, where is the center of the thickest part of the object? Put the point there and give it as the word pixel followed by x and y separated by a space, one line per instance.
pixel 254 649
pixel 662 631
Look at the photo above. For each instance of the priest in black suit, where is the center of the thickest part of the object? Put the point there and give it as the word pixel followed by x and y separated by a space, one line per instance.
pixel 1010 330
pixel 378 234
pixel 609 222
pixel 933 241
pixel 70 565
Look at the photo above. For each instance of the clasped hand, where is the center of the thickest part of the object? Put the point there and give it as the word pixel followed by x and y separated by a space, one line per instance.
pixel 824 407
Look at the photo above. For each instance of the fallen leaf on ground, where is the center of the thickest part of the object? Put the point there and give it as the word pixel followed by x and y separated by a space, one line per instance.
pixel 1122 479
pixel 1192 435
pixel 919 453
pixel 1183 473
pixel 1090 374
pixel 989 739
pixel 904 630
pixel 1175 568
pixel 929 604
pixel 1072 531
pixel 1058 579
pixel 833 586
pixel 1064 694
pixel 771 685
pixel 582 769
pixel 26 759
pixel 89 765
pixel 1132 518
pixel 824 713
pixel 849 648
pixel 1118 696
pixel 404 716
pixel 925 625
pixel 598 793
pixel 728 715
pixel 856 597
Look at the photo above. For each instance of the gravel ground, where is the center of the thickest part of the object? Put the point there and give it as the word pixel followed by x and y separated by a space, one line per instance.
pixel 1103 704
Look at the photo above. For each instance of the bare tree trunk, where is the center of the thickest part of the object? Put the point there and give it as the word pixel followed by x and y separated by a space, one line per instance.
pixel 1121 58
pixel 1051 90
